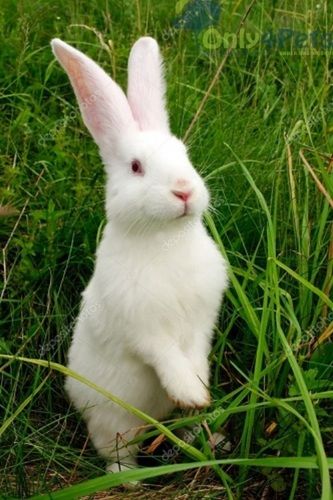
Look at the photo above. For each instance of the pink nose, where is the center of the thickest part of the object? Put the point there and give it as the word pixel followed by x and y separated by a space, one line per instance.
pixel 182 195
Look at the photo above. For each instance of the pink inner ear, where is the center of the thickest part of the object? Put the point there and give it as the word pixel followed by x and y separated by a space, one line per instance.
pixel 104 106
pixel 84 95
pixel 136 115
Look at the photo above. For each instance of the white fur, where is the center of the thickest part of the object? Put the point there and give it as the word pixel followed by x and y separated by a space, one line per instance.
pixel 146 86
pixel 146 322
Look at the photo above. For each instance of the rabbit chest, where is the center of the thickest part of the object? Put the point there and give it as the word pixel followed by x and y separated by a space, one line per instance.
pixel 174 287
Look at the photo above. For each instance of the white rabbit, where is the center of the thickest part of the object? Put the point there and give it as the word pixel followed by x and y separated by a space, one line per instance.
pixel 147 315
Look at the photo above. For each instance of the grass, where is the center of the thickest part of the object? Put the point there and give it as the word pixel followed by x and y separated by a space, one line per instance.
pixel 263 141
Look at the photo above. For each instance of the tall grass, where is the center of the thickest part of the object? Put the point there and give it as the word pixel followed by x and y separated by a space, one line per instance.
pixel 263 141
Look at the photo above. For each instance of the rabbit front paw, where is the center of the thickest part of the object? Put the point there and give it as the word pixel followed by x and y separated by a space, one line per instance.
pixel 190 394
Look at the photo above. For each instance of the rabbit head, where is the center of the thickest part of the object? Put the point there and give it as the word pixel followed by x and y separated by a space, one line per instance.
pixel 150 179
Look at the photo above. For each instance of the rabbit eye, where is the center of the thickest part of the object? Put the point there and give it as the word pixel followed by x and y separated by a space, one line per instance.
pixel 137 167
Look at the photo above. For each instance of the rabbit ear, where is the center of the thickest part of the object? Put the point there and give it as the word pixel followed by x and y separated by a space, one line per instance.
pixel 146 86
pixel 103 104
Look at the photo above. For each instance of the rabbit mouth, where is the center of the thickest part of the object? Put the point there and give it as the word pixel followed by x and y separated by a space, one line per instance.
pixel 186 212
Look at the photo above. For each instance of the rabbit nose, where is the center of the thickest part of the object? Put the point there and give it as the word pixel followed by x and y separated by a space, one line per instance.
pixel 181 183
pixel 182 195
